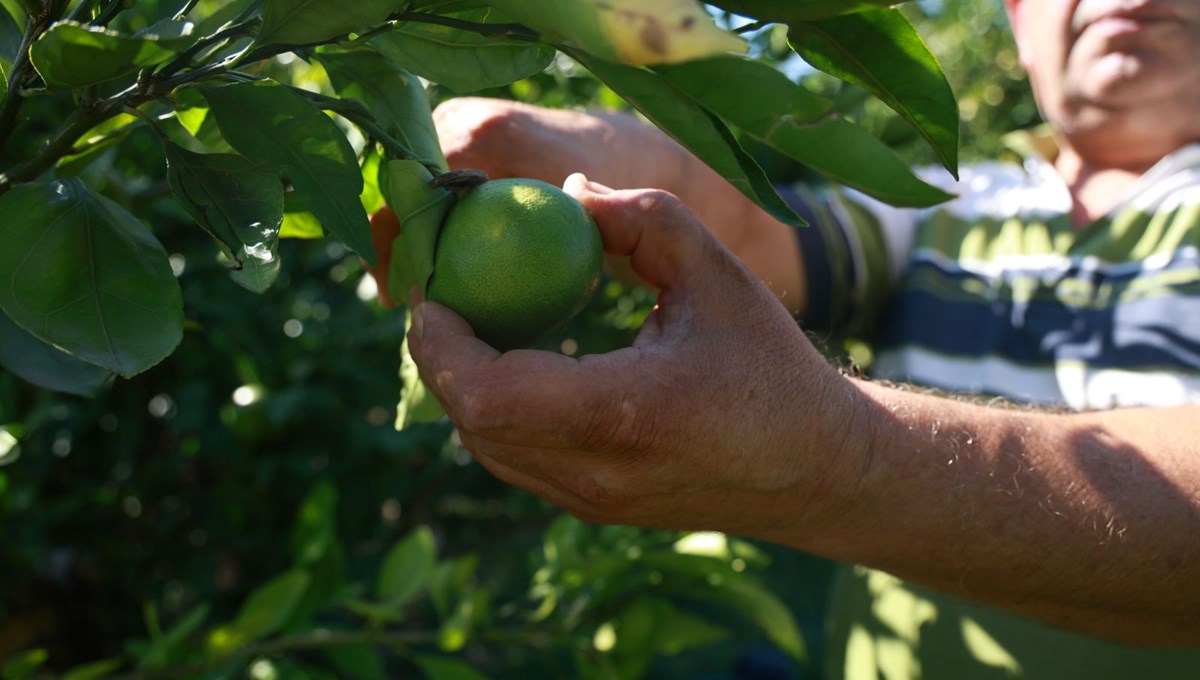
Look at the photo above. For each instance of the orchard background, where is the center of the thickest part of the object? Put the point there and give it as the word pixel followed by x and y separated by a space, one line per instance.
pixel 223 494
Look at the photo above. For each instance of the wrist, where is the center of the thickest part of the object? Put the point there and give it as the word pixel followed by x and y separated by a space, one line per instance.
pixel 829 461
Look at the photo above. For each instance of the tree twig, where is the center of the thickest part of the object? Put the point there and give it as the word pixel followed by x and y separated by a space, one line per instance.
pixel 13 97
pixel 357 114
pixel 186 9
pixel 79 122
pixel 513 31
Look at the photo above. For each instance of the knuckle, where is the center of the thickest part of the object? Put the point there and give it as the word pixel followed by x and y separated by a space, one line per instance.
pixel 476 411
pixel 598 502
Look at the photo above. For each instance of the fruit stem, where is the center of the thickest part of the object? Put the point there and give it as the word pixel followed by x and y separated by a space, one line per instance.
pixel 468 178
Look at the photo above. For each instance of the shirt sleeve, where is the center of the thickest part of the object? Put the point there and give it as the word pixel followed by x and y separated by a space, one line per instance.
pixel 854 251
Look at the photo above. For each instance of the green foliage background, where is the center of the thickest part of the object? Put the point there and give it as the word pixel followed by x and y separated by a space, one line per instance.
pixel 128 511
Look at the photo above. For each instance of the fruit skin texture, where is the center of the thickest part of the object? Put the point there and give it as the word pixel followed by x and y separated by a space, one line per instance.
pixel 516 258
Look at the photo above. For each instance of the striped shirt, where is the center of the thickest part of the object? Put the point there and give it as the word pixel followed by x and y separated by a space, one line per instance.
pixel 996 293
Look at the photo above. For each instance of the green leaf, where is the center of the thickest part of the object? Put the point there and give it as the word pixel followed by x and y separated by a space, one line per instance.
pixel 278 129
pixel 627 31
pixel 194 116
pixel 446 6
pixel 375 612
pixel 446 668
pixel 21 9
pixel 372 194
pixel 881 51
pixel 406 568
pixel 395 98
pixel 94 670
pixel 71 54
pixel 748 93
pixel 95 143
pixel 298 222
pixel 24 665
pixel 168 647
pixel 10 36
pixel 455 630
pixel 461 60
pixel 417 403
pixel 84 275
pixel 265 611
pixel 328 579
pixel 676 631
pixel 785 11
pixel 40 364
pixel 314 531
pixel 421 210
pixel 305 22
pixel 765 103
pixel 693 126
pixel 449 580
pixel 762 607
pixel 361 662
pixel 238 203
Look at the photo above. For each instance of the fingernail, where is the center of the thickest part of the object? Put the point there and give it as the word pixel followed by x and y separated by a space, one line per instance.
pixel 574 182
pixel 418 320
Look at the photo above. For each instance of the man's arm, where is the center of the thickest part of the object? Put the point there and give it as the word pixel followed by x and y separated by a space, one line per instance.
pixel 1088 521
pixel 721 416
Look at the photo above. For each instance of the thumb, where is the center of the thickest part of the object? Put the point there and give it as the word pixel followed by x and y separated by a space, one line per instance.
pixel 667 244
pixel 445 350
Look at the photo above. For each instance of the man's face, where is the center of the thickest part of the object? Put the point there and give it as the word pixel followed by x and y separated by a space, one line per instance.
pixel 1119 79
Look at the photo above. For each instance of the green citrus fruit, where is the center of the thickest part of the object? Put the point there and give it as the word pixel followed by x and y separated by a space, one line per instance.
pixel 516 258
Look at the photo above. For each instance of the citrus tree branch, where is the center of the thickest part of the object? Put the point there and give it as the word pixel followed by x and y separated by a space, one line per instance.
pixel 13 97
pixel 361 118
pixel 184 58
pixel 513 31
pixel 82 120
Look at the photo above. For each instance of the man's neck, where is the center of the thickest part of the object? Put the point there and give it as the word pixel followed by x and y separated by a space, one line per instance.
pixel 1096 188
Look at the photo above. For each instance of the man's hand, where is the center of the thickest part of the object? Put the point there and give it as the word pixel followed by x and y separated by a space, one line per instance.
pixel 696 425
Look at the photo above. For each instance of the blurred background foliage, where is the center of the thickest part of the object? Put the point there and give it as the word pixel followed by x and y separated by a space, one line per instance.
pixel 182 491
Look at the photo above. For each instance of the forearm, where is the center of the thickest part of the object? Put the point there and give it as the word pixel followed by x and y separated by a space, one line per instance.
pixel 1090 521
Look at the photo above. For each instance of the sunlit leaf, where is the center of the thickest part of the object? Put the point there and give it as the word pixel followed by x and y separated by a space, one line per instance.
pixel 628 31
pixel 395 97
pixel 463 61
pixel 784 11
pixel 238 203
pixel 303 22
pixel 881 51
pixel 71 54
pixel 765 103
pixel 278 129
pixel 693 126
